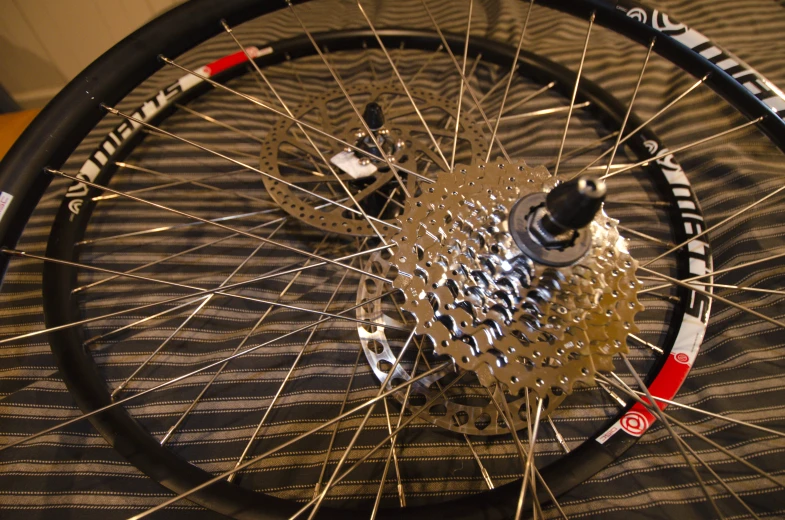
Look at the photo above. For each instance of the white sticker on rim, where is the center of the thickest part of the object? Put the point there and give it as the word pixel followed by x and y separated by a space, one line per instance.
pixel 5 201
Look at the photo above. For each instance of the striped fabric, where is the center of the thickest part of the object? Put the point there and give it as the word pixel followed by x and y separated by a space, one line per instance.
pixel 73 473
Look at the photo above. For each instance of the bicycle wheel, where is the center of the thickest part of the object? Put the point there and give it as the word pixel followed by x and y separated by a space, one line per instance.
pixel 284 282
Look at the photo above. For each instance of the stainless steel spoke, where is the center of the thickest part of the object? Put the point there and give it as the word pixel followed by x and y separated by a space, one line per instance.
pixel 403 86
pixel 359 429
pixel 285 116
pixel 393 455
pixel 240 345
pixel 195 182
pixel 460 90
pixel 583 149
pixel 644 236
pixel 295 363
pixel 334 434
pixel 181 298
pixel 629 107
pixel 559 437
pixel 214 121
pixel 280 222
pixel 217 224
pixel 641 398
pixel 713 273
pixel 252 440
pixel 393 167
pixel 529 461
pixel 642 341
pixel 307 137
pixel 645 123
pixel 214 364
pixel 707 413
pixel 717 225
pixel 693 144
pixel 112 332
pixel 221 289
pixel 528 98
pixel 423 67
pixel 161 229
pixel 716 297
pixel 510 76
pixel 547 111
pixel 469 88
pixel 574 95
pixel 310 432
pixel 376 448
pixel 657 412
pixel 119 388
pixel 222 156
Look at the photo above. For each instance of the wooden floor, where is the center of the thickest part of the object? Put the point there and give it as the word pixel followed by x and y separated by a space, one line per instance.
pixel 11 127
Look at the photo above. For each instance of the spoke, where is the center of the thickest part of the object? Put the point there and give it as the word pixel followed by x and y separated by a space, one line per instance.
pixel 222 156
pixel 403 86
pixel 359 429
pixel 644 236
pixel 195 182
pixel 559 438
pixel 221 289
pixel 583 149
pixel 376 448
pixel 295 363
pixel 138 322
pixel 393 167
pixel 655 348
pixel 529 460
pixel 180 298
pixel 643 125
pixel 214 364
pixel 163 344
pixel 392 455
pixel 712 273
pixel 214 121
pixel 629 107
pixel 252 440
pixel 460 90
pixel 715 226
pixel 277 112
pixel 699 142
pixel 334 433
pixel 716 297
pixel 469 88
pixel 280 222
pixel 161 229
pixel 547 111
pixel 423 67
pixel 707 413
pixel 509 81
pixel 307 137
pixel 310 432
pixel 574 95
pixel 657 412
pixel 528 98
pixel 242 343
pixel 216 224
pixel 624 387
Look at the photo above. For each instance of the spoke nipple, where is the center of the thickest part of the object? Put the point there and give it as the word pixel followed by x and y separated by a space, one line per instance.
pixel 164 59
pixel 225 25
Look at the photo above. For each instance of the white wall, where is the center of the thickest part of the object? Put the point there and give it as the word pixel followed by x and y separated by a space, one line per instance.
pixel 45 43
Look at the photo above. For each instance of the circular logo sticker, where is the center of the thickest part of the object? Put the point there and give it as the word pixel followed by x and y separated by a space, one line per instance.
pixel 634 423
pixel 681 357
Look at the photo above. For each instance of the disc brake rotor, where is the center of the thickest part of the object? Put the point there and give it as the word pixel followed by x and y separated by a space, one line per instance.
pixel 366 175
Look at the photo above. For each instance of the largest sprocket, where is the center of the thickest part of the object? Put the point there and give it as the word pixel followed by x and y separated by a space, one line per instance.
pixel 494 310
